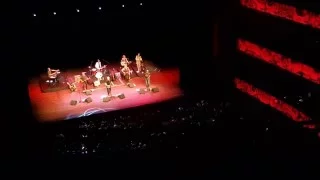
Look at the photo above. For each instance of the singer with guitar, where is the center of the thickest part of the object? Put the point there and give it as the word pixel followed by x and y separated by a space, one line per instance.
pixel 124 61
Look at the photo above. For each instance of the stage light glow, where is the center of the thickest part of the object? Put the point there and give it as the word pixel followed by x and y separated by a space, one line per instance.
pixel 34 15
pixel 43 102
pixel 279 60
pixel 284 11
pixel 78 10
pixel 270 100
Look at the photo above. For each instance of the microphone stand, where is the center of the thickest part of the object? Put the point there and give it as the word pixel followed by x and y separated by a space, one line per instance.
pixel 80 101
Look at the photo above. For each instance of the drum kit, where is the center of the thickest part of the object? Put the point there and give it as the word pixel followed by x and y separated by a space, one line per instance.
pixel 97 74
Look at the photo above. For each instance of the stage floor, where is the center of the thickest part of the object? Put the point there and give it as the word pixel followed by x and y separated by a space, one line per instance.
pixel 55 106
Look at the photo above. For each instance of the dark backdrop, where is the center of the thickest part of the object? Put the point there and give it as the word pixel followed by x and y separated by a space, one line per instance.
pixel 167 33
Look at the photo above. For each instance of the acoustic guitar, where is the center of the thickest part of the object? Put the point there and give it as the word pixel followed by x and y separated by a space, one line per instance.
pixel 125 63
pixel 72 87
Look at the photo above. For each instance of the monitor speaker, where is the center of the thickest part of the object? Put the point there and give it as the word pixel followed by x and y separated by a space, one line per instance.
pixel 88 100
pixel 88 92
pixel 141 91
pixel 130 85
pixel 73 102
pixel 155 90
pixel 121 96
pixel 106 99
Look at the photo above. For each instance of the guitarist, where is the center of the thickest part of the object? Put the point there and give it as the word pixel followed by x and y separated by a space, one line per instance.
pixel 126 73
pixel 124 61
pixel 98 65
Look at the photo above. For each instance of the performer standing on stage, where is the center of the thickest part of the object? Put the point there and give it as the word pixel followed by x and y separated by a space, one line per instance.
pixel 124 61
pixel 109 84
pixel 147 76
pixel 84 80
pixel 138 62
pixel 126 73
pixel 98 65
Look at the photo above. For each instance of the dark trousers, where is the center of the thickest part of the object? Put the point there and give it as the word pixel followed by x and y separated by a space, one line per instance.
pixel 127 78
pixel 85 85
pixel 147 82
pixel 109 91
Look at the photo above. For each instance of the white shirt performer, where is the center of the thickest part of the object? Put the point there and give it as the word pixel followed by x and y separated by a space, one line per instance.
pixel 98 65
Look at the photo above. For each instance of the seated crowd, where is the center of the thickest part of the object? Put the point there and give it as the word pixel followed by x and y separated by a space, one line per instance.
pixel 177 126
pixel 141 131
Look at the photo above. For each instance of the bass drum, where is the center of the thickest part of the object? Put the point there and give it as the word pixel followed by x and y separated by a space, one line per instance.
pixel 99 75
pixel 96 83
